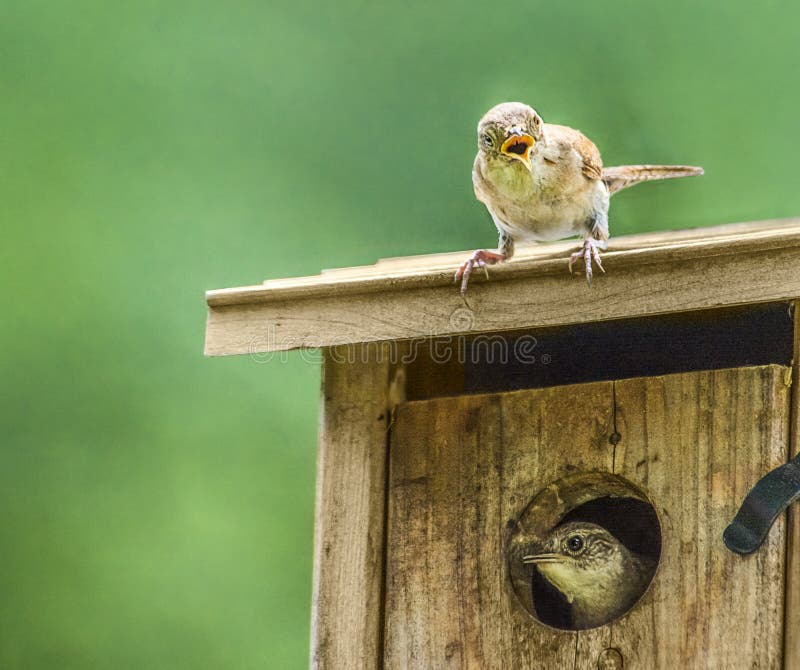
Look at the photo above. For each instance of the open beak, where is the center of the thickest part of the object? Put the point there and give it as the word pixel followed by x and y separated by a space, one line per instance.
pixel 518 146
pixel 533 559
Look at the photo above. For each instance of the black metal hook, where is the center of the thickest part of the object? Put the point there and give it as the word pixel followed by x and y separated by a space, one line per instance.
pixel 772 494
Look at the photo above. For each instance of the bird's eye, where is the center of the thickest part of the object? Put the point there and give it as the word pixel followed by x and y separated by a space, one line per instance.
pixel 575 543
pixel 487 140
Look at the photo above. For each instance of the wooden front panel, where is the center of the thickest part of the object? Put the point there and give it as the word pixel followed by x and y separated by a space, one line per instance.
pixel 350 514
pixel 461 468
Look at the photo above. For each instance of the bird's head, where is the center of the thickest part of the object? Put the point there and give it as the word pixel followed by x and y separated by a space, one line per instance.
pixel 509 131
pixel 578 558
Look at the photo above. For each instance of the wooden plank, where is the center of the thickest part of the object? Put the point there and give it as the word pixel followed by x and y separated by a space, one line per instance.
pixel 461 468
pixel 542 259
pixel 792 625
pixel 697 443
pixel 554 250
pixel 350 510
pixel 551 298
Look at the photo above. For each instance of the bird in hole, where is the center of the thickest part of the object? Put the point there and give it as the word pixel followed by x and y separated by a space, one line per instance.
pixel 542 181
pixel 598 575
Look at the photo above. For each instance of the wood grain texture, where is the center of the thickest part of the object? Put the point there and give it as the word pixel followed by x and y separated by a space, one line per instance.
pixel 461 468
pixel 792 626
pixel 350 511
pixel 697 443
pixel 387 269
pixel 719 270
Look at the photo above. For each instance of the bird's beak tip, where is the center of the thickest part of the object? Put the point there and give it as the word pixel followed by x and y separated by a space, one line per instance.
pixel 534 559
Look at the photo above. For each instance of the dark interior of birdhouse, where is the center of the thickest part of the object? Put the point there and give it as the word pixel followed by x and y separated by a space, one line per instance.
pixel 712 339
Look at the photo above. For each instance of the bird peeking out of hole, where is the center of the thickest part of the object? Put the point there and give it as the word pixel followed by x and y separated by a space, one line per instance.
pixel 541 181
pixel 600 577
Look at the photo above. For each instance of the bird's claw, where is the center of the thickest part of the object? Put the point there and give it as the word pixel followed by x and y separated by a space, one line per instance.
pixel 480 258
pixel 589 253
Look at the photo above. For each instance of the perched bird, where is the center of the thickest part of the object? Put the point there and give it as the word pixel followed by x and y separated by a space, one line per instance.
pixel 598 575
pixel 541 181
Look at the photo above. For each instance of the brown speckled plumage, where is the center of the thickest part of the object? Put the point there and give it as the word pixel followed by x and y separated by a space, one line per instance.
pixel 542 181
pixel 600 577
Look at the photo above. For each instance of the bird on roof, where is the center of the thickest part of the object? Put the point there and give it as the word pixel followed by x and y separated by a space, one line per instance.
pixel 542 181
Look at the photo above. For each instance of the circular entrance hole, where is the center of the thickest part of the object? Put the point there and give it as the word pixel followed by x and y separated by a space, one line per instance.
pixel 584 550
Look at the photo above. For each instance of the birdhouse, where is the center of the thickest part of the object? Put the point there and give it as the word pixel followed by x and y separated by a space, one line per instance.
pixel 552 475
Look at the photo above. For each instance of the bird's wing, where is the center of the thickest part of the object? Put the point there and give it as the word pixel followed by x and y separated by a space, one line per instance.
pixel 591 163
pixel 623 176
pixel 590 155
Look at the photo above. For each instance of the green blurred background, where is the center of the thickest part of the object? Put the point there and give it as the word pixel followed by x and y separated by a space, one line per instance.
pixel 157 507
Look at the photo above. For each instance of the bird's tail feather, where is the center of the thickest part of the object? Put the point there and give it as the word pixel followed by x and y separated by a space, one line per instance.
pixel 623 176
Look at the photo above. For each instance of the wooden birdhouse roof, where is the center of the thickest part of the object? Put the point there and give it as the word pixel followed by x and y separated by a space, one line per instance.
pixel 412 297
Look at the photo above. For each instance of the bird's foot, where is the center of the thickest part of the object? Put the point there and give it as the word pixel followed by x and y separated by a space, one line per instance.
pixel 480 258
pixel 589 253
